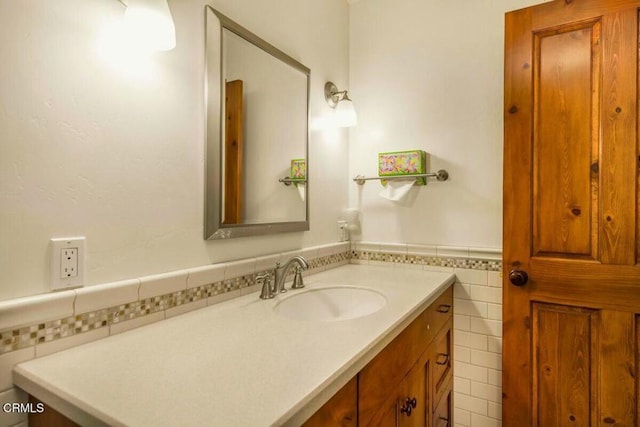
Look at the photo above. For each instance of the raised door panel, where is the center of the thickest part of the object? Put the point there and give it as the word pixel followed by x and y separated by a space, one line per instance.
pixel 564 341
pixel 566 141
pixel 584 140
pixel 585 366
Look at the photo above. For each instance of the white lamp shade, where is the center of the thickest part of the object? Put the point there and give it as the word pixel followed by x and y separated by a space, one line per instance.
pixel 149 25
pixel 345 114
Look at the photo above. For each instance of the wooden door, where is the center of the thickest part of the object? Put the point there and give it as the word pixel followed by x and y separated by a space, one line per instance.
pixel 571 157
pixel 233 151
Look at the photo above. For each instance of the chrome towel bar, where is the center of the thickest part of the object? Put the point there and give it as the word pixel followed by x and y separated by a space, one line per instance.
pixel 441 175
pixel 288 181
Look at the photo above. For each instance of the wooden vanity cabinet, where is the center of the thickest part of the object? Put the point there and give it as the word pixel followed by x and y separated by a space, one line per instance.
pixel 409 383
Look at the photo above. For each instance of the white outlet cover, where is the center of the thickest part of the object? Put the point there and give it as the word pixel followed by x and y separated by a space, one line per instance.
pixel 57 246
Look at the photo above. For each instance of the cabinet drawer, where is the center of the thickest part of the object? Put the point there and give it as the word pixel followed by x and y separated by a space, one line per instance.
pixel 437 315
pixel 390 366
pixel 441 357
pixel 442 414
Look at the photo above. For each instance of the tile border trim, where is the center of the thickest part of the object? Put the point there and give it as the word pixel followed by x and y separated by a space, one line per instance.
pixel 488 259
pixel 320 258
pixel 25 336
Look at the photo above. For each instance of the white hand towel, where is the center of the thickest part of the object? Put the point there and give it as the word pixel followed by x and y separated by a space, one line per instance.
pixel 396 189
pixel 301 190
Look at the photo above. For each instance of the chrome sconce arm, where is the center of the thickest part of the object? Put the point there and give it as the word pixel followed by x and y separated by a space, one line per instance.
pixel 338 100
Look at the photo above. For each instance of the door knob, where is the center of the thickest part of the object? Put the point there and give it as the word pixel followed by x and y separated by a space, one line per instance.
pixel 518 277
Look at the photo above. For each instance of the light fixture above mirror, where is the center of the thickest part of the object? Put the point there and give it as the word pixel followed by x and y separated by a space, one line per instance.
pixel 148 25
pixel 344 111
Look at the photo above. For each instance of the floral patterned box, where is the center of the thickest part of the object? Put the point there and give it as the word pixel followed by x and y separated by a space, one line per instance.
pixel 298 169
pixel 398 163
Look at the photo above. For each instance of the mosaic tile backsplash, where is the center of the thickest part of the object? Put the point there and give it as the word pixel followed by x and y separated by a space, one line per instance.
pixel 43 332
pixel 31 335
pixel 431 261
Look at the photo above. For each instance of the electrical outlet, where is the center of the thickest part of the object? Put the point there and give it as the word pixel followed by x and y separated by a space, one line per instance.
pixel 67 263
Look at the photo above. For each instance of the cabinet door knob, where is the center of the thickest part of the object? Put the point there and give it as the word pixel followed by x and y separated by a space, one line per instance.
pixel 518 277
pixel 408 406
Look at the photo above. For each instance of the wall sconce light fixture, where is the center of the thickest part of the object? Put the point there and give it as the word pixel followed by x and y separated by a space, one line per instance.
pixel 345 113
pixel 149 24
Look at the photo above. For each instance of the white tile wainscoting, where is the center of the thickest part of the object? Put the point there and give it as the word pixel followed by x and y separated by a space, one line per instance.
pixel 36 326
pixel 477 336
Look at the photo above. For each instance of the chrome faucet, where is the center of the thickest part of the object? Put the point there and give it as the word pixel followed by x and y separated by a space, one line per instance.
pixel 281 273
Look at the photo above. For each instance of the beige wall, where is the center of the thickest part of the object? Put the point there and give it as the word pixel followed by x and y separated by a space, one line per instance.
pixel 428 75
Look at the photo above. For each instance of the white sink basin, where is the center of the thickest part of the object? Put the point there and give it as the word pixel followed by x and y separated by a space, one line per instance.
pixel 330 304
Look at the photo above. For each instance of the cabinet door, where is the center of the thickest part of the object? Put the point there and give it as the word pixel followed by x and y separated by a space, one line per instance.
pixel 571 273
pixel 407 404
pixel 340 411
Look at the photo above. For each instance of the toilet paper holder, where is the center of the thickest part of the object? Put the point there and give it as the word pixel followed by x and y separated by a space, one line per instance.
pixel 441 175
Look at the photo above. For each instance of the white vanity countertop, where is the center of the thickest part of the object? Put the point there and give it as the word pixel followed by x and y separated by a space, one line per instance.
pixel 237 363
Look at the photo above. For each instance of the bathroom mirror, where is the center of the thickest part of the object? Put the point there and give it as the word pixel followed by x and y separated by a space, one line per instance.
pixel 257 102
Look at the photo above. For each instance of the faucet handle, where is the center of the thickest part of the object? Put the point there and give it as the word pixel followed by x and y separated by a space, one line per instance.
pixel 297 278
pixel 265 281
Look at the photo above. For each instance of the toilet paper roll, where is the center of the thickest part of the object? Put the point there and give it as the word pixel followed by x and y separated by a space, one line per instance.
pixel 396 190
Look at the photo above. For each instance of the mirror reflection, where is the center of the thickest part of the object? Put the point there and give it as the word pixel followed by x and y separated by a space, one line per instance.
pixel 257 127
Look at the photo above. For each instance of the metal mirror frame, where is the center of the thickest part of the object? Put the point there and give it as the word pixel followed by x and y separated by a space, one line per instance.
pixel 214 229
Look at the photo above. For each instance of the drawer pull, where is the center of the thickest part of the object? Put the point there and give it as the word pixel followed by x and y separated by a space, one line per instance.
pixel 444 308
pixel 442 359
pixel 446 420
pixel 408 406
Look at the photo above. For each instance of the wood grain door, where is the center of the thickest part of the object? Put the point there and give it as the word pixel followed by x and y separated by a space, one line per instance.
pixel 571 157
pixel 233 152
